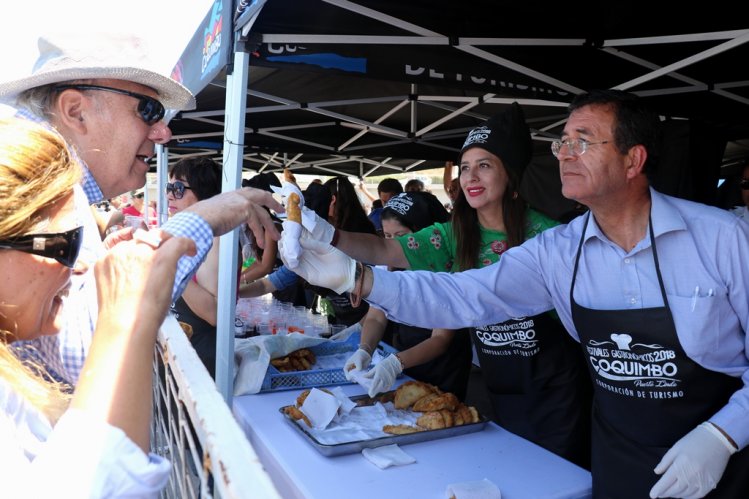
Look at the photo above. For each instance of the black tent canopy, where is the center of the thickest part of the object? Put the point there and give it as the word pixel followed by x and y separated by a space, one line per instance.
pixel 375 87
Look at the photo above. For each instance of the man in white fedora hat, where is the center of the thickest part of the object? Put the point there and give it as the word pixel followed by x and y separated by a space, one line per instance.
pixel 104 95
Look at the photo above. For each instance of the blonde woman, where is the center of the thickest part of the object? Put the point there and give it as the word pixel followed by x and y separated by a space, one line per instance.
pixel 92 442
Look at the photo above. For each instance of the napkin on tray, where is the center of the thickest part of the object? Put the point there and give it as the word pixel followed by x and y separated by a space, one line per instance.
pixel 387 455
pixel 320 408
pixel 478 489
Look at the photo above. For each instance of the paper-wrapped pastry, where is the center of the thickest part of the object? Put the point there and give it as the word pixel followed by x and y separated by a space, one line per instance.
pixel 292 231
pixel 293 210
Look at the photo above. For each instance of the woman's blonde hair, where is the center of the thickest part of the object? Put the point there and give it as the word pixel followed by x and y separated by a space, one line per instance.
pixel 36 171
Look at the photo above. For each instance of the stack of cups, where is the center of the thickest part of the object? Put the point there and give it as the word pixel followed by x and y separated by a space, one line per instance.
pixel 266 315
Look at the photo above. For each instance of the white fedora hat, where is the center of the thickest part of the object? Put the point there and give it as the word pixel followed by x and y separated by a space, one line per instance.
pixel 70 57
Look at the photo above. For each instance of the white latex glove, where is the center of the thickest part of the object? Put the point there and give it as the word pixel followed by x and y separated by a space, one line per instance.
pixel 290 235
pixel 322 265
pixel 344 334
pixel 694 465
pixel 383 375
pixel 359 360
pixel 320 229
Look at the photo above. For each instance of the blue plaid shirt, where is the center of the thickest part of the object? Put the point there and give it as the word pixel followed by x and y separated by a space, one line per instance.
pixel 64 353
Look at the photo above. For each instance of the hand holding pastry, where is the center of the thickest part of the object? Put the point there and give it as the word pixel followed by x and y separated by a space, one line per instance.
pixel 292 231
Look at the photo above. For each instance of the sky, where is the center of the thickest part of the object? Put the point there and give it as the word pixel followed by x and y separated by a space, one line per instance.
pixel 167 25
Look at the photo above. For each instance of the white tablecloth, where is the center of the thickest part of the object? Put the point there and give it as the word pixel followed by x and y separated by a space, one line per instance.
pixel 520 469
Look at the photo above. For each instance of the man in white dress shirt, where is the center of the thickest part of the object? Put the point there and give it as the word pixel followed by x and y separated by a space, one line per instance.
pixel 103 95
pixel 655 288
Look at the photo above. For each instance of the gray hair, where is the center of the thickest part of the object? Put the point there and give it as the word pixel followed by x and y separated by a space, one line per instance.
pixel 40 100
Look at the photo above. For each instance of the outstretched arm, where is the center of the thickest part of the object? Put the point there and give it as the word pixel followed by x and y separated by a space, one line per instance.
pixel 429 349
pixel 372 249
pixel 264 265
pixel 373 329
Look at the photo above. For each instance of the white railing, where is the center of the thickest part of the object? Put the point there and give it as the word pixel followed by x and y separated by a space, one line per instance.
pixel 193 427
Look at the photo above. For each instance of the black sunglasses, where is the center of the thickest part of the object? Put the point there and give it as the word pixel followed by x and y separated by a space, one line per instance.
pixel 149 109
pixel 744 184
pixel 176 188
pixel 62 246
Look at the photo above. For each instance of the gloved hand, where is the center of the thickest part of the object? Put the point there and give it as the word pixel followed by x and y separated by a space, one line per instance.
pixel 694 465
pixel 343 335
pixel 322 265
pixel 383 375
pixel 358 360
pixel 320 229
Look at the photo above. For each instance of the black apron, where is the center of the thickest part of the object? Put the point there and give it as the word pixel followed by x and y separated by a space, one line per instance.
pixel 648 395
pixel 203 337
pixel 344 312
pixel 450 371
pixel 537 383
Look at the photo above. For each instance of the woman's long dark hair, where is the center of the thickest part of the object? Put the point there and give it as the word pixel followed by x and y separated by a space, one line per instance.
pixel 348 215
pixel 465 222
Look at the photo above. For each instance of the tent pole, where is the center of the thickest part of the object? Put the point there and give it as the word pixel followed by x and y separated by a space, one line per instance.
pixel 162 172
pixel 236 100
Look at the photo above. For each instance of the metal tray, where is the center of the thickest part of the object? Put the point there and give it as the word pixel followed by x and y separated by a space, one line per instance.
pixel 357 446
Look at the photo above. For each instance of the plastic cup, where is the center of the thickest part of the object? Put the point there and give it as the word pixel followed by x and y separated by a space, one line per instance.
pixel 336 328
pixel 134 222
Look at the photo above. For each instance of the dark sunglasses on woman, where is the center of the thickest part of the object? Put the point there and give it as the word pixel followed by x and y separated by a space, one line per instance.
pixel 62 246
pixel 177 189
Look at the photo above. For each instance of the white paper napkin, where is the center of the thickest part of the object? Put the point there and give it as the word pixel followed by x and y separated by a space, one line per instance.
pixel 387 455
pixel 320 408
pixel 290 235
pixel 362 423
pixel 347 405
pixel 478 489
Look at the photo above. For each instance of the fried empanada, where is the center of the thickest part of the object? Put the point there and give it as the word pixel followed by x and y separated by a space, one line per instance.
pixel 463 415
pixel 437 402
pixel 447 416
pixel 431 421
pixel 295 413
pixel 475 418
pixel 400 429
pixel 411 391
pixel 293 210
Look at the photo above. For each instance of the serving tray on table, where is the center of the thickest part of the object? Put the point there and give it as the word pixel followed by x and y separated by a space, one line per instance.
pixel 354 447
pixel 276 380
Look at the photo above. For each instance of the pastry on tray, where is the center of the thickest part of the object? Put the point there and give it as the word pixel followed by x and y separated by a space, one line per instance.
pixel 411 391
pixel 295 411
pixel 440 409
